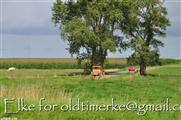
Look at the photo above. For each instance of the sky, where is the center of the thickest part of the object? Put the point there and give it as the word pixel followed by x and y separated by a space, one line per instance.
pixel 27 31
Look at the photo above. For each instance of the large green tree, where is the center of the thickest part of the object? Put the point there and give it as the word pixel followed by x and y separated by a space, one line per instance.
pixel 144 23
pixel 88 26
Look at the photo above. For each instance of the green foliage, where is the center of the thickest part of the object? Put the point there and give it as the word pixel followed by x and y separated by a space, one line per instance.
pixel 88 26
pixel 150 57
pixel 144 24
pixel 87 67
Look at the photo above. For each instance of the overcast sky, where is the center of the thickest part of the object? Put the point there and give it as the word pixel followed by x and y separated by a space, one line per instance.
pixel 27 31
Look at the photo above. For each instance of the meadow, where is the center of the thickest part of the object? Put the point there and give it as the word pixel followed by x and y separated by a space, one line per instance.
pixel 58 86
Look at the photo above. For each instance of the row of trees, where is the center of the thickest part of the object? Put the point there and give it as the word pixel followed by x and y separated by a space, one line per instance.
pixel 89 25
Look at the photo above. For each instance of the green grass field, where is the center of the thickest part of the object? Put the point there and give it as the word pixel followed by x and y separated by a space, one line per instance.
pixel 58 87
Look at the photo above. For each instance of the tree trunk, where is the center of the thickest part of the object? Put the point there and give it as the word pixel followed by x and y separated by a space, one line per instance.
pixel 93 60
pixel 142 68
pixel 102 56
pixel 98 56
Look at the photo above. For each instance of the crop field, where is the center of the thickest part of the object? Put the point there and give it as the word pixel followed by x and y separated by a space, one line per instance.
pixel 63 63
pixel 55 63
pixel 58 86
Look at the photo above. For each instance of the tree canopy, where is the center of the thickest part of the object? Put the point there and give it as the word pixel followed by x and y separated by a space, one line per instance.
pixel 144 22
pixel 89 26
